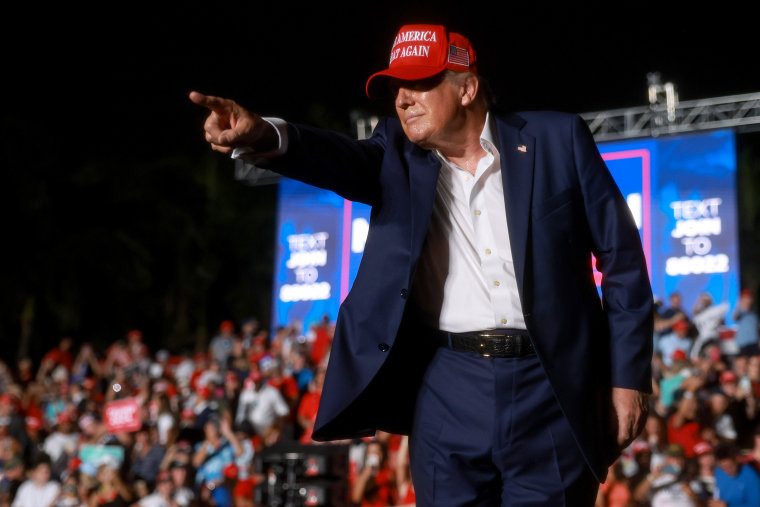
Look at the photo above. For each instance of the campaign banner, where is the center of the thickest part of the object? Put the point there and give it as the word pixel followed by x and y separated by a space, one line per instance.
pixel 97 455
pixel 122 415
pixel 682 194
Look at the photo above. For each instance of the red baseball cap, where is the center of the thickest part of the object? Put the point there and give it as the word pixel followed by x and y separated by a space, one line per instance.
pixel 702 448
pixel 423 51
pixel 231 471
pixel 728 376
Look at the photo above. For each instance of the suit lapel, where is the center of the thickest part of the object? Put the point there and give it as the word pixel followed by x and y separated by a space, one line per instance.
pixel 424 167
pixel 517 152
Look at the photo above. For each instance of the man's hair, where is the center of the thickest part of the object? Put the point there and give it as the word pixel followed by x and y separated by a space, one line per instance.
pixel 726 450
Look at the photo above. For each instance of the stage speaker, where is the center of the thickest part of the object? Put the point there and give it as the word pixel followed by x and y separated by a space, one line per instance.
pixel 303 475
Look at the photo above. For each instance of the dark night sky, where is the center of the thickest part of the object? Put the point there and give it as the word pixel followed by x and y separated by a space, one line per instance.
pixel 116 78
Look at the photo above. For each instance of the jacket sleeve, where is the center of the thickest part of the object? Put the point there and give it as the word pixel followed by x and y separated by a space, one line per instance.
pixel 334 161
pixel 626 291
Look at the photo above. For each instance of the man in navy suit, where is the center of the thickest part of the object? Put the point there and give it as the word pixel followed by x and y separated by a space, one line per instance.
pixel 474 323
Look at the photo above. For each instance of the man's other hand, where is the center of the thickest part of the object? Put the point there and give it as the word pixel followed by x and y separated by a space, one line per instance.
pixel 229 125
pixel 631 410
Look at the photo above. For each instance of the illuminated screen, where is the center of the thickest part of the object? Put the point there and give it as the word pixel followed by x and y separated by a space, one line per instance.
pixel 680 189
pixel 682 193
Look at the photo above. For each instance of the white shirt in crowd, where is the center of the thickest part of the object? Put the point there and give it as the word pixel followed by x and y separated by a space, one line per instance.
pixel 262 407
pixel 31 495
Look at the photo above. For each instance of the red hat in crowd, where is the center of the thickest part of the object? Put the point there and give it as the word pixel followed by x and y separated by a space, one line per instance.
pixel 640 446
pixel 33 422
pixel 745 293
pixel 134 334
pixel 728 377
pixel 423 51
pixel 227 325
pixel 74 463
pixel 679 355
pixel 681 325
pixel 231 471
pixel 702 448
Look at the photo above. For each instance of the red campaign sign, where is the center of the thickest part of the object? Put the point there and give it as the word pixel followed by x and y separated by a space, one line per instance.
pixel 122 415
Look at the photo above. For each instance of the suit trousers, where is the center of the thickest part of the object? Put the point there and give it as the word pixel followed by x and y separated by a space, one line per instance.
pixel 489 431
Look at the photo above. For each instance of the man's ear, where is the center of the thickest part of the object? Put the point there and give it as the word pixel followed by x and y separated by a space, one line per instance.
pixel 470 87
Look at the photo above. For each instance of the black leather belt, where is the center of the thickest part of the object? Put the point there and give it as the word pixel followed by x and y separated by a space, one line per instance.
pixel 489 343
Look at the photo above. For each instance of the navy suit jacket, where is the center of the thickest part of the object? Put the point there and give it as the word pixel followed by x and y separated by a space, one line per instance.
pixel 562 205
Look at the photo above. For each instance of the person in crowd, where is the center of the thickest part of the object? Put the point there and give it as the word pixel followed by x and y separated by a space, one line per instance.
pixel 146 455
pixel 183 494
pixel 678 339
pixel 741 411
pixel 307 408
pixel 747 325
pixel 737 484
pixel 683 425
pixel 39 490
pixel 642 458
pixel 703 482
pixel 220 348
pixel 111 490
pixel 668 483
pixel 301 370
pixel 62 443
pixel 672 379
pixel 162 496
pixel 374 486
pixel 707 317
pixel 217 450
pixel 263 406
pixel 615 491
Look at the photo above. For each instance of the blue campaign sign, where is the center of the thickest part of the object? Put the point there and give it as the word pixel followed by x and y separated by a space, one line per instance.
pixel 680 189
pixel 688 219
pixel 320 239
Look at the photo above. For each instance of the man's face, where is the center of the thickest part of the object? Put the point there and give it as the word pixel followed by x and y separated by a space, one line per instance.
pixel 729 465
pixel 430 110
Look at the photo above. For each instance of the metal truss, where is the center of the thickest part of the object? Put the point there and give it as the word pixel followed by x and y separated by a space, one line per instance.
pixel 734 111
pixel 661 117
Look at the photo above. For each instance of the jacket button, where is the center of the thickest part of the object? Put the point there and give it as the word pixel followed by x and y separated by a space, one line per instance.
pixel 404 293
pixel 384 347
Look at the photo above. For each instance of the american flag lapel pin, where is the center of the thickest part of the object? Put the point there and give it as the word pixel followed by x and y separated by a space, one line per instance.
pixel 522 148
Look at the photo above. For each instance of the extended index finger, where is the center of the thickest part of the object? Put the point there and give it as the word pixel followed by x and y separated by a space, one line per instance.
pixel 216 104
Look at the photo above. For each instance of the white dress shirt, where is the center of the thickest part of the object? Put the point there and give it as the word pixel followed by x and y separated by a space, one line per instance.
pixel 465 279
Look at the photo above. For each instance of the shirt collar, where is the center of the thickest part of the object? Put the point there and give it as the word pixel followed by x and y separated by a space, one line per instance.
pixel 486 137
pixel 486 141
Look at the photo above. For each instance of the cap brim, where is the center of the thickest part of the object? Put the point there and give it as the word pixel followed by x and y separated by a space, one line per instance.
pixel 377 83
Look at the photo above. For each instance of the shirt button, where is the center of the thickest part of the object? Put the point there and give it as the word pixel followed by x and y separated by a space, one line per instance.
pixel 477 212
pixel 404 293
pixel 488 251
pixel 384 347
pixel 496 283
pixel 503 321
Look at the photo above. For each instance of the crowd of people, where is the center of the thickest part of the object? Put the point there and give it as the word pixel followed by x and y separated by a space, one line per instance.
pixel 202 418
